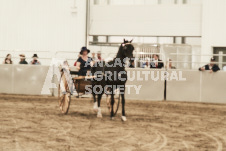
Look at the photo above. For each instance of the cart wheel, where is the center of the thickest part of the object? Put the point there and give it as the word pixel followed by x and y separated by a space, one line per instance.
pixel 116 104
pixel 64 95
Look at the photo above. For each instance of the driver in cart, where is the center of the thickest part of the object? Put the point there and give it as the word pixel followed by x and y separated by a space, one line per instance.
pixel 84 63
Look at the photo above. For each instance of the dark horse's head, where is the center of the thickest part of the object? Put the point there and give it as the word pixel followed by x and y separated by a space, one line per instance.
pixel 126 49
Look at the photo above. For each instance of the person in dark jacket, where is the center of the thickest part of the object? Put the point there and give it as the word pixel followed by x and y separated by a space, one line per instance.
pixel 157 63
pixel 84 62
pixel 22 59
pixel 131 64
pixel 211 66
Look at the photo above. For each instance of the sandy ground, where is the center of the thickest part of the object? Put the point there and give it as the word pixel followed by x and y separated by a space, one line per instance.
pixel 29 123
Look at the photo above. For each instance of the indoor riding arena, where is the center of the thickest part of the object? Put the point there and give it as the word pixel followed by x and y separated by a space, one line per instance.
pixel 113 75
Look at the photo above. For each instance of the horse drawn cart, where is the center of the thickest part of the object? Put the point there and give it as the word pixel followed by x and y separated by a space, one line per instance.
pixel 65 90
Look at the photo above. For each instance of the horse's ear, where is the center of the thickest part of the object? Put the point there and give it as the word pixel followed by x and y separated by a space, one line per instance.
pixel 131 41
pixel 124 40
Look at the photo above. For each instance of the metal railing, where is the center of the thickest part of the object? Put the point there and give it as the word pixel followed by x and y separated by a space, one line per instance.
pixel 141 54
pixel 198 62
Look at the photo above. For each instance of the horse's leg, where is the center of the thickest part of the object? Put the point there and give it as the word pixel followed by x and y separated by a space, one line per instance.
pixel 94 97
pixel 99 99
pixel 123 105
pixel 99 109
pixel 112 105
pixel 108 101
pixel 123 108
pixel 95 107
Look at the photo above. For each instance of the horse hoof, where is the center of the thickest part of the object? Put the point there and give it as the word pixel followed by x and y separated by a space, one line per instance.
pixel 99 115
pixel 112 118
pixel 123 118
pixel 95 107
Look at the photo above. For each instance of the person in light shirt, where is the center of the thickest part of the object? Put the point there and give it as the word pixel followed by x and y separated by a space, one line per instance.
pixel 224 68
pixel 170 65
pixel 94 56
pixel 99 58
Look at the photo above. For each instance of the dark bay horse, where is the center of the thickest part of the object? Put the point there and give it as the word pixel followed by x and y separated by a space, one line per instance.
pixel 111 76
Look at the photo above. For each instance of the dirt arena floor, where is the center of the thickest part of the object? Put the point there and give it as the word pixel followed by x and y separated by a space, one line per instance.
pixel 34 123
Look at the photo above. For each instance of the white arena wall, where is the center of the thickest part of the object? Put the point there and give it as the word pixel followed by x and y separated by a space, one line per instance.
pixel 22 79
pixel 198 87
pixel 42 25
pixel 146 20
pixel 213 26
pixel 150 89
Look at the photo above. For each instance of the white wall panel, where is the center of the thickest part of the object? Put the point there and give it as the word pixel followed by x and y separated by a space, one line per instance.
pixel 29 79
pixel 150 89
pixel 42 25
pixel 6 79
pixel 198 86
pixel 188 90
pixel 213 26
pixel 22 79
pixel 213 87
pixel 147 20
